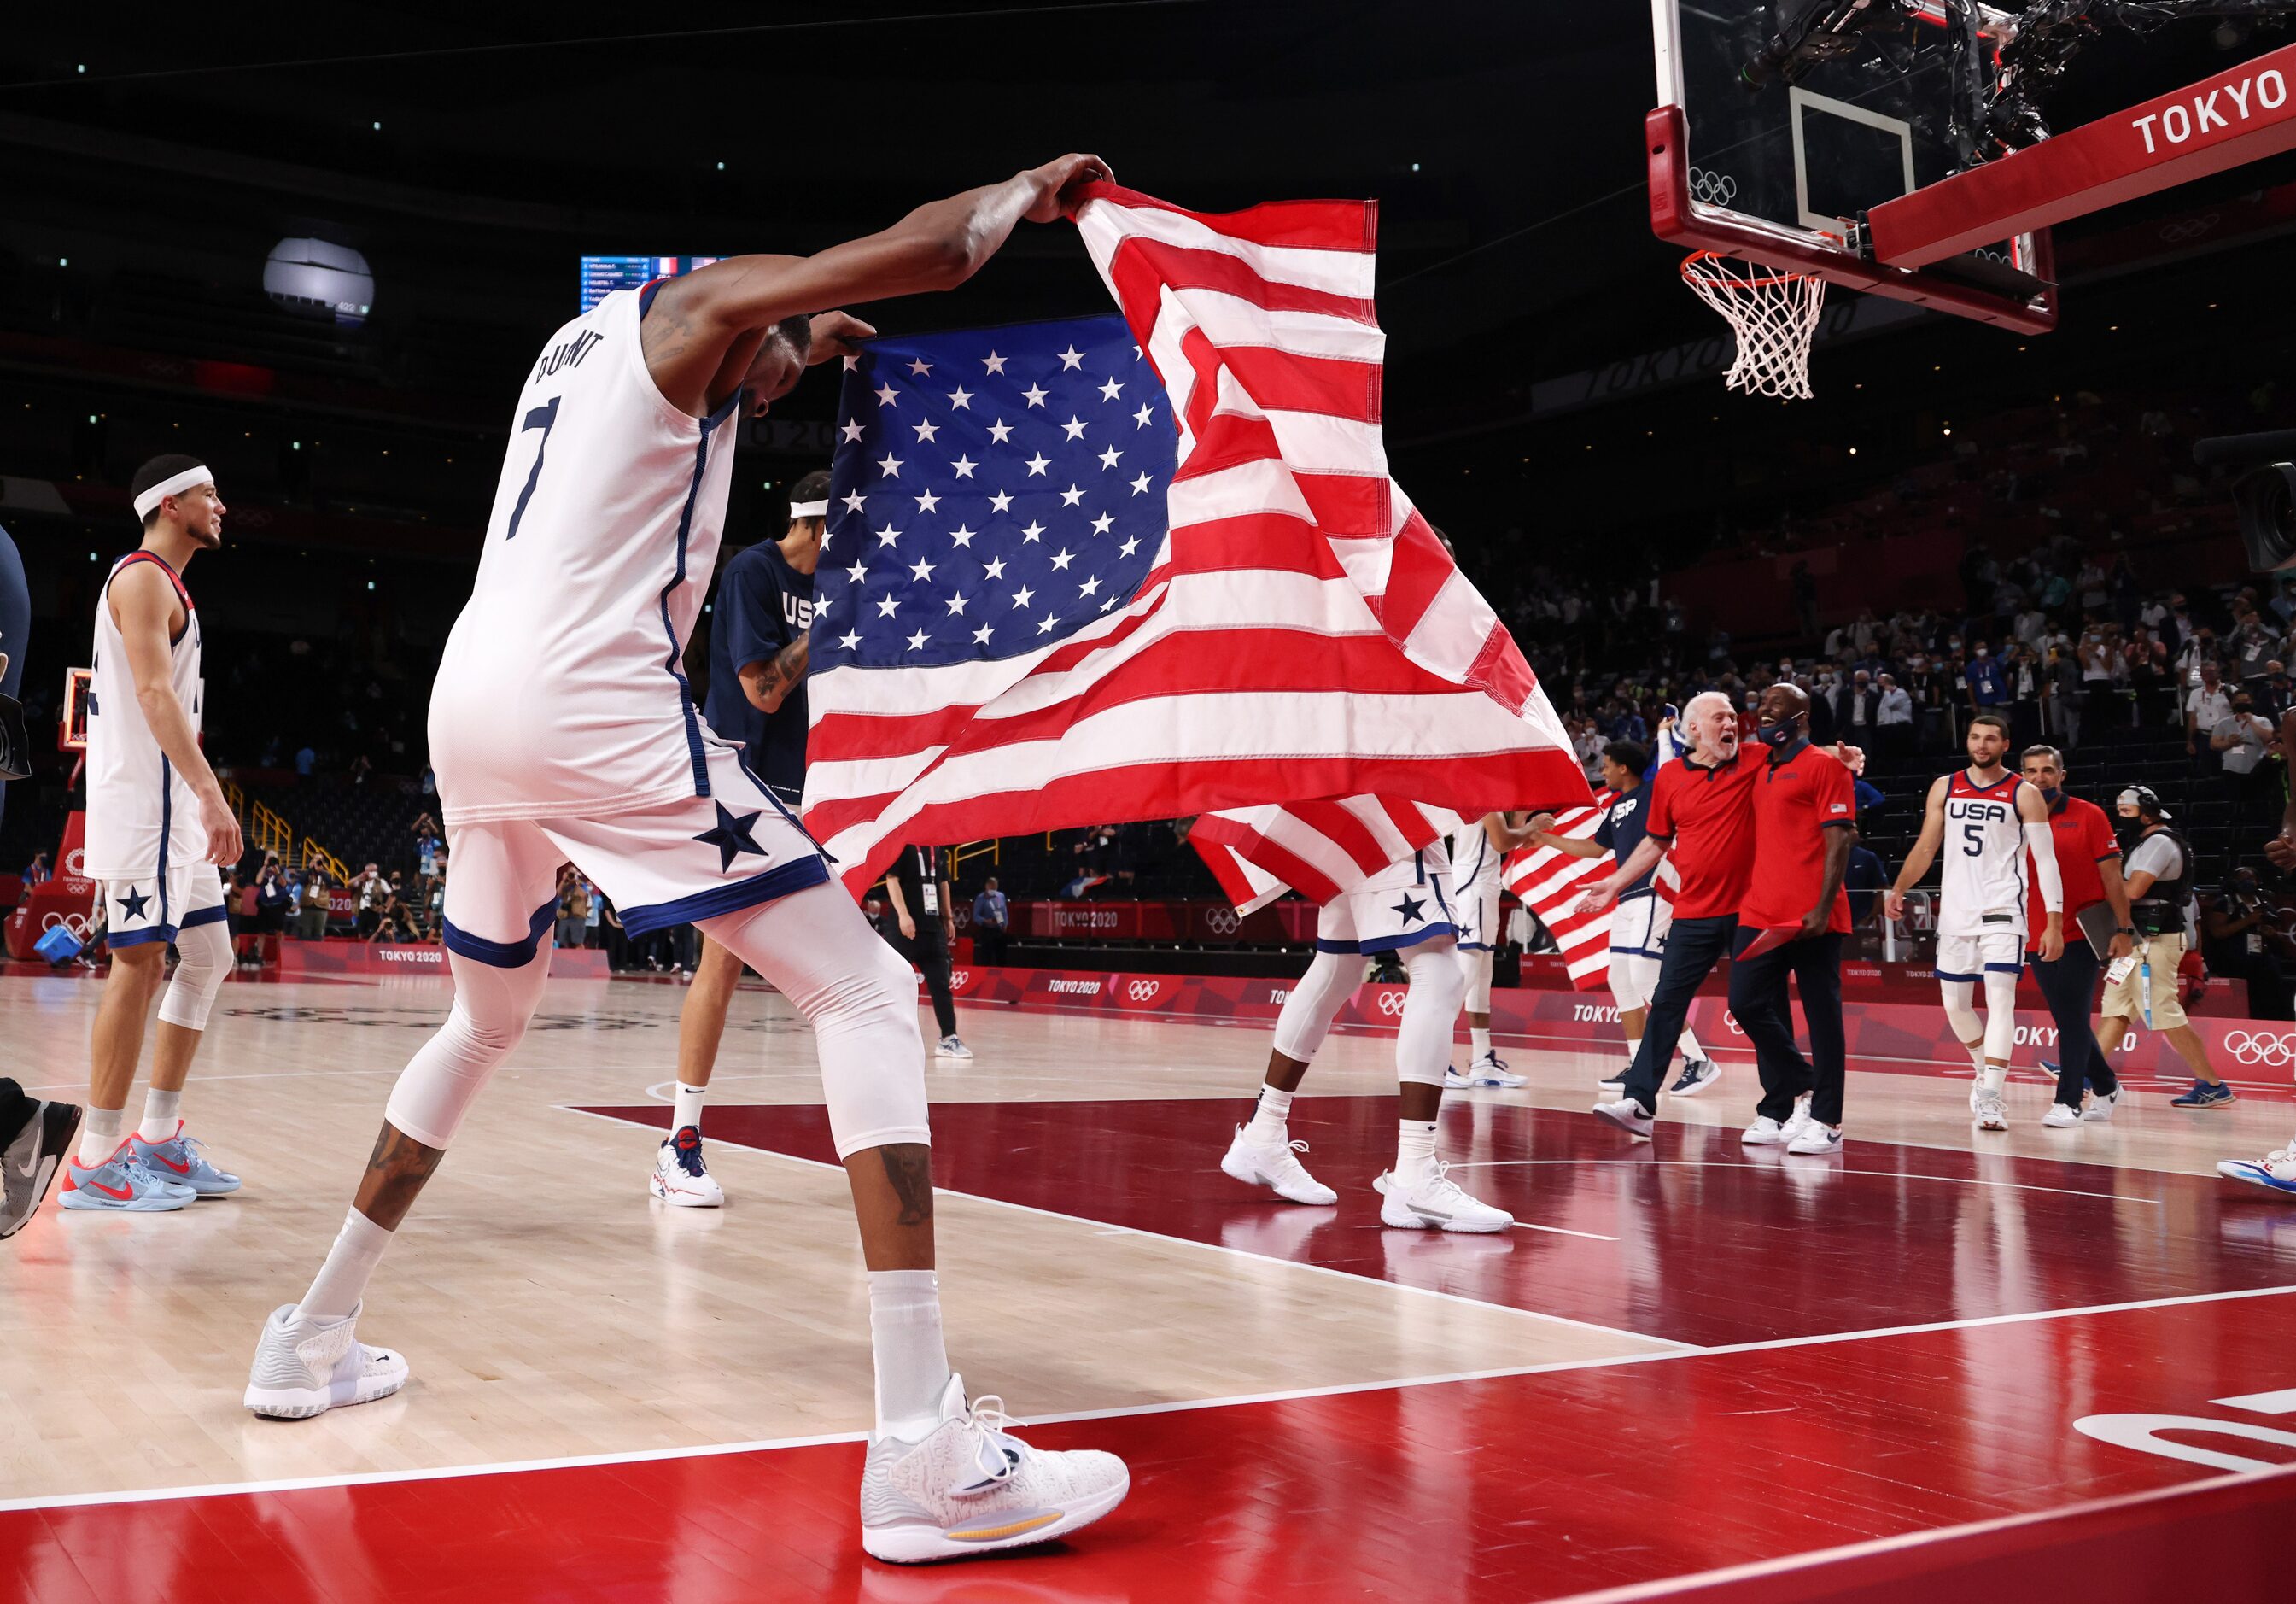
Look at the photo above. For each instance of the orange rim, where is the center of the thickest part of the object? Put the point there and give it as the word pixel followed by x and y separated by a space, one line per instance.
pixel 1777 275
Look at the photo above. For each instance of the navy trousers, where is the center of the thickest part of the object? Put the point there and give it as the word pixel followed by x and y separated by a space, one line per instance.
pixel 1693 948
pixel 2069 985
pixel 1758 999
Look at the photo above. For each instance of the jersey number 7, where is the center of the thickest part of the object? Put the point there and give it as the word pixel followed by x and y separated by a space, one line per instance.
pixel 545 418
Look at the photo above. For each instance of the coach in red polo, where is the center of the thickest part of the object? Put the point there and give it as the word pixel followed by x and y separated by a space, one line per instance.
pixel 1805 823
pixel 2088 863
pixel 1698 815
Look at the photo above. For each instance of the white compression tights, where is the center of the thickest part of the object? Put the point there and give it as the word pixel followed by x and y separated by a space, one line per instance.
pixel 1999 1025
pixel 1315 1001
pixel 1431 1012
pixel 1475 969
pixel 814 945
pixel 202 964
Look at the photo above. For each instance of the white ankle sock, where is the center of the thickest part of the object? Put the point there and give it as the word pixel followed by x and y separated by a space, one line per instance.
pixel 1976 1053
pixel 688 1107
pixel 341 1280
pixel 1995 1076
pixel 1269 1122
pixel 1481 1041
pixel 1692 1053
pixel 912 1364
pixel 1414 1146
pixel 99 1136
pixel 159 1115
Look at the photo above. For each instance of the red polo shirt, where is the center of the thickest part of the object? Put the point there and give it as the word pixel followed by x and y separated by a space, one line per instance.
pixel 1796 801
pixel 2084 839
pixel 1706 813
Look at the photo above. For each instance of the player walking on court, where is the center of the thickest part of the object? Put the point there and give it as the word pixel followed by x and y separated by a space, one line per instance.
pixel 1401 909
pixel 759 653
pixel 157 828
pixel 1640 923
pixel 1986 820
pixel 562 727
pixel 1475 858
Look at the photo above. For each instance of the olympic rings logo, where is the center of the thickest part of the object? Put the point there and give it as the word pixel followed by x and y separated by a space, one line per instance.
pixel 1145 991
pixel 1223 921
pixel 957 977
pixel 2189 228
pixel 2259 1046
pixel 1731 1020
pixel 1390 1002
pixel 1712 188
pixel 77 923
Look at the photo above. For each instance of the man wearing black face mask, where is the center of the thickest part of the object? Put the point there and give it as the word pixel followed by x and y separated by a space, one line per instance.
pixel 2089 866
pixel 1805 822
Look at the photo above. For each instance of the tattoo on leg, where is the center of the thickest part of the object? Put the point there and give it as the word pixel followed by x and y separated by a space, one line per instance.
pixel 908 1166
pixel 395 1173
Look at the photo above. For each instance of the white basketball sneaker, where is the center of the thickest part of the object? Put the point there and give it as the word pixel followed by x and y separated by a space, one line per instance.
pixel 1273 1165
pixel 2101 1104
pixel 1433 1201
pixel 1627 1116
pixel 973 1487
pixel 1488 1070
pixel 307 1367
pixel 1992 1110
pixel 2061 1117
pixel 2276 1172
pixel 1796 1122
pixel 680 1178
pixel 1764 1132
pixel 950 1047
pixel 1815 1140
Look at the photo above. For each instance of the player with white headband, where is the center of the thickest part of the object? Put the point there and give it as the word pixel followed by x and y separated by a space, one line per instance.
pixel 157 828
pixel 758 659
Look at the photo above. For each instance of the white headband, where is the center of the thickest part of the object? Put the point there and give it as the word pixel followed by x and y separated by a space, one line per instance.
pixel 166 488
pixel 810 509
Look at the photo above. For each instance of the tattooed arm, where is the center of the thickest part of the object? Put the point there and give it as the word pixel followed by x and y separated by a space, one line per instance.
pixel 768 682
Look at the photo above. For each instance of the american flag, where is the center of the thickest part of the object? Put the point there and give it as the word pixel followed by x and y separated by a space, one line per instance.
pixel 1317 849
pixel 1075 575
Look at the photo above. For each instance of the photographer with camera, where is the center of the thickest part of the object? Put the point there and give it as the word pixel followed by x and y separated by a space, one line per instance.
pixel 2247 936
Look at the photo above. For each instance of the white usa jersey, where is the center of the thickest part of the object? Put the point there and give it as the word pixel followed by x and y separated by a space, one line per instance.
pixel 563 691
pixel 142 818
pixel 1984 853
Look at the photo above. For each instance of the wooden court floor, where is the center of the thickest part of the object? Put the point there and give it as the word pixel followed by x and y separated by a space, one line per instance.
pixel 612 1398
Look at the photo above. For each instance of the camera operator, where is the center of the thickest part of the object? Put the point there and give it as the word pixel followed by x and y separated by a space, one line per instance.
pixel 272 896
pixel 2247 936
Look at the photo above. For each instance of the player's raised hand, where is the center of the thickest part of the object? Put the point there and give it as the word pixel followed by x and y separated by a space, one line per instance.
pixel 1598 898
pixel 1057 183
pixel 836 334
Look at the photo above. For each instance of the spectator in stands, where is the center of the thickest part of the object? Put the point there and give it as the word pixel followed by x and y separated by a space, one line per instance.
pixel 2025 677
pixel 991 920
pixel 593 932
pixel 425 831
pixel 2247 937
pixel 2277 693
pixel 1982 679
pixel 2240 740
pixel 2150 684
pixel 368 887
pixel 272 896
pixel 394 920
pixel 573 908
pixel 2207 705
pixel 2253 649
pixel 1893 717
pixel 2198 648
pixel 2062 693
pixel 434 906
pixel 305 760
pixel 1857 709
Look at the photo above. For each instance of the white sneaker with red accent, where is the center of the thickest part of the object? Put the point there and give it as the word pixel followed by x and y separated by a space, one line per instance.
pixel 973 1487
pixel 680 1178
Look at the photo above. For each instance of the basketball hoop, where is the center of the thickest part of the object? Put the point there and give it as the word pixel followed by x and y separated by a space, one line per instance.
pixel 1775 313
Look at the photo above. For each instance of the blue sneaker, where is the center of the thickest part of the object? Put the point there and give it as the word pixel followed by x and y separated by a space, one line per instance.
pixel 181 1159
pixel 2049 1066
pixel 2276 1171
pixel 2203 1096
pixel 120 1185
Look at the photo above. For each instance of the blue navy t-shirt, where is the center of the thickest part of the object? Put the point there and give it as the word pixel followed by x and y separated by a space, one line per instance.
pixel 1621 831
pixel 762 603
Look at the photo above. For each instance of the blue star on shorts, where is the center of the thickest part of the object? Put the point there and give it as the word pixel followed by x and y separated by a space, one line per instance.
pixel 1409 908
pixel 132 905
pixel 732 838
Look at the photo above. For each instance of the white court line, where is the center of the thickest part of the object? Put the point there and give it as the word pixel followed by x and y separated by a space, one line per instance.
pixel 1669 1586
pixel 1722 1164
pixel 706 1451
pixel 1563 1231
pixel 1104 1227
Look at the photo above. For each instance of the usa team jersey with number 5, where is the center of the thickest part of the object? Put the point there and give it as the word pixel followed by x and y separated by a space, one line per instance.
pixel 563 690
pixel 1983 880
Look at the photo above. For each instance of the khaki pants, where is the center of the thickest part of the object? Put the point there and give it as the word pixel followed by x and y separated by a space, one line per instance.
pixel 2125 999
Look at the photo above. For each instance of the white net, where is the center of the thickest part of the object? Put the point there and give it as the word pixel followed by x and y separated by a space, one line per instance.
pixel 1775 313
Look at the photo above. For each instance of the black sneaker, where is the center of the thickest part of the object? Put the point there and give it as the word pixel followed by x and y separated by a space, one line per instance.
pixel 29 1162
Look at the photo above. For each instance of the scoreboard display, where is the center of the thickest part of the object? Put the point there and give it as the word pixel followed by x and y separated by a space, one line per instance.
pixel 601 276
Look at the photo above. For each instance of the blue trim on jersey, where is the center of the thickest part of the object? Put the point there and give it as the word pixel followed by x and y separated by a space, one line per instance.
pixel 1638 952
pixel 1946 975
pixel 1396 943
pixel 204 916
pixel 677 577
pixel 137 938
pixel 795 875
pixel 1474 946
pixel 2005 968
pixel 166 824
pixel 1329 944
pixel 502 955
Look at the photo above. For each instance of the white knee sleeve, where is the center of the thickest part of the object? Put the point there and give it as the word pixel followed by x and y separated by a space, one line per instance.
pixel 1315 1001
pixel 1966 1025
pixel 1632 981
pixel 1431 1013
pixel 202 964
pixel 2000 1015
pixel 491 1007
pixel 861 999
pixel 1475 970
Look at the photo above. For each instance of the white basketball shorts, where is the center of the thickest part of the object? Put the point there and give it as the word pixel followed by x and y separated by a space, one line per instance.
pixel 152 908
pixel 1401 906
pixel 671 863
pixel 1969 956
pixel 1475 906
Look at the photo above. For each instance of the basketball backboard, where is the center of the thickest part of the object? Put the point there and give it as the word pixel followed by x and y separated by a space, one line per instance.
pixel 1744 162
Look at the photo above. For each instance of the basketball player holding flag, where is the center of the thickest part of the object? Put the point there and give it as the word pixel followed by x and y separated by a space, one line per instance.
pixel 562 727
pixel 1988 820
pixel 157 826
